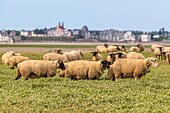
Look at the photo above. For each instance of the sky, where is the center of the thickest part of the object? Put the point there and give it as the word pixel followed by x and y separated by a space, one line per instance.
pixel 145 15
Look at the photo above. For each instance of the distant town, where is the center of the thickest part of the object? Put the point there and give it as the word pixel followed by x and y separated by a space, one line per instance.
pixel 62 34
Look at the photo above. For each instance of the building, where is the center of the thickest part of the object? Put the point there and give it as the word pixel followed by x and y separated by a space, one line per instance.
pixel 145 38
pixel 129 36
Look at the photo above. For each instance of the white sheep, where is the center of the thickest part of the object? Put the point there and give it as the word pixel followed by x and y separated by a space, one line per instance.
pixel 38 68
pixel 141 47
pixel 96 56
pixel 7 55
pixel 82 69
pixel 130 68
pixel 74 55
pixel 96 69
pixel 135 49
pixel 102 49
pixel 54 56
pixel 158 52
pixel 135 55
pixel 14 60
pixel 112 49
pixel 154 46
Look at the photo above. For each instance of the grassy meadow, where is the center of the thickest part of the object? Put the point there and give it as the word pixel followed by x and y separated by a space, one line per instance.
pixel 150 94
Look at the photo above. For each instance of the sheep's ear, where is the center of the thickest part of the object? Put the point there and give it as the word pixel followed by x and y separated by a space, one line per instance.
pixel 13 54
pixel 59 61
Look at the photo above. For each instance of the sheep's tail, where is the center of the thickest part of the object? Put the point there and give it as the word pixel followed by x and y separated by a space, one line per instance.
pixel 18 74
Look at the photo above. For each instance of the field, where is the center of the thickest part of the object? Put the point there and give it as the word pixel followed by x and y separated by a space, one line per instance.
pixel 150 94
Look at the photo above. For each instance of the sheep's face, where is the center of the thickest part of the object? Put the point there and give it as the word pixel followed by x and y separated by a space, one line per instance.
pixel 61 65
pixel 153 62
pixel 106 45
pixel 59 51
pixel 105 64
pixel 94 53
pixel 120 54
pixel 112 55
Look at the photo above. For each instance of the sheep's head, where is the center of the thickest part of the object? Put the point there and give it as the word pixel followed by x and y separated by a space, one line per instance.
pixel 59 64
pixel 123 47
pixel 151 61
pixel 105 64
pixel 119 54
pixel 106 45
pixel 59 51
pixel 94 53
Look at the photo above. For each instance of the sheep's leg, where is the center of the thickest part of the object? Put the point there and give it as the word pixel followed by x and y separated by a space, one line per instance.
pixel 18 75
pixel 12 67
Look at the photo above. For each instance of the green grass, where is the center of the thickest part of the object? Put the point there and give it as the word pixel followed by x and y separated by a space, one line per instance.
pixel 150 94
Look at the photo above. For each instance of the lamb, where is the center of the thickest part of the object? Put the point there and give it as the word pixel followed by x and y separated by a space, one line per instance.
pixel 102 49
pixel 7 55
pixel 14 60
pixel 154 46
pixel 133 68
pixel 38 68
pixel 54 56
pixel 82 69
pixel 135 55
pixel 158 52
pixel 96 56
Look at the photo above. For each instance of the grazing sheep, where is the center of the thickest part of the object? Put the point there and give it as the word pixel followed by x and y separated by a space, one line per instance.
pixel 82 69
pixel 96 56
pixel 112 49
pixel 135 55
pixel 135 49
pixel 76 70
pixel 121 48
pixel 38 68
pixel 167 57
pixel 96 69
pixel 154 46
pixel 165 51
pixel 130 68
pixel 158 52
pixel 54 56
pixel 14 60
pixel 102 49
pixel 115 56
pixel 7 55
pixel 141 47
pixel 74 55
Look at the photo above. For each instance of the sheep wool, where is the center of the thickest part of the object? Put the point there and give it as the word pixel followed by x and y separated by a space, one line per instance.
pixel 135 55
pixel 129 68
pixel 54 56
pixel 38 68
pixel 14 60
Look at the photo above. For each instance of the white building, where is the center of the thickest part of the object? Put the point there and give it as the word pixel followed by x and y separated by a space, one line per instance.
pixel 6 39
pixel 129 36
pixel 145 38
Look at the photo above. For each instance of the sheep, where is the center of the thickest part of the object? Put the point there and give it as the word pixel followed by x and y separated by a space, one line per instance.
pixel 82 69
pixel 14 60
pixel 116 55
pixel 112 49
pixel 158 52
pixel 96 69
pixel 76 70
pixel 135 55
pixel 121 48
pixel 96 56
pixel 141 47
pixel 102 49
pixel 54 56
pixel 165 51
pixel 168 57
pixel 7 55
pixel 154 46
pixel 74 55
pixel 135 49
pixel 38 68
pixel 133 68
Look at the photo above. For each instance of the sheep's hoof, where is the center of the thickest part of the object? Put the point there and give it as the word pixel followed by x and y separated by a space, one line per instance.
pixel 11 67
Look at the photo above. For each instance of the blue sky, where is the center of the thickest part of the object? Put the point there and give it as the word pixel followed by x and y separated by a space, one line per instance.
pixel 146 15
